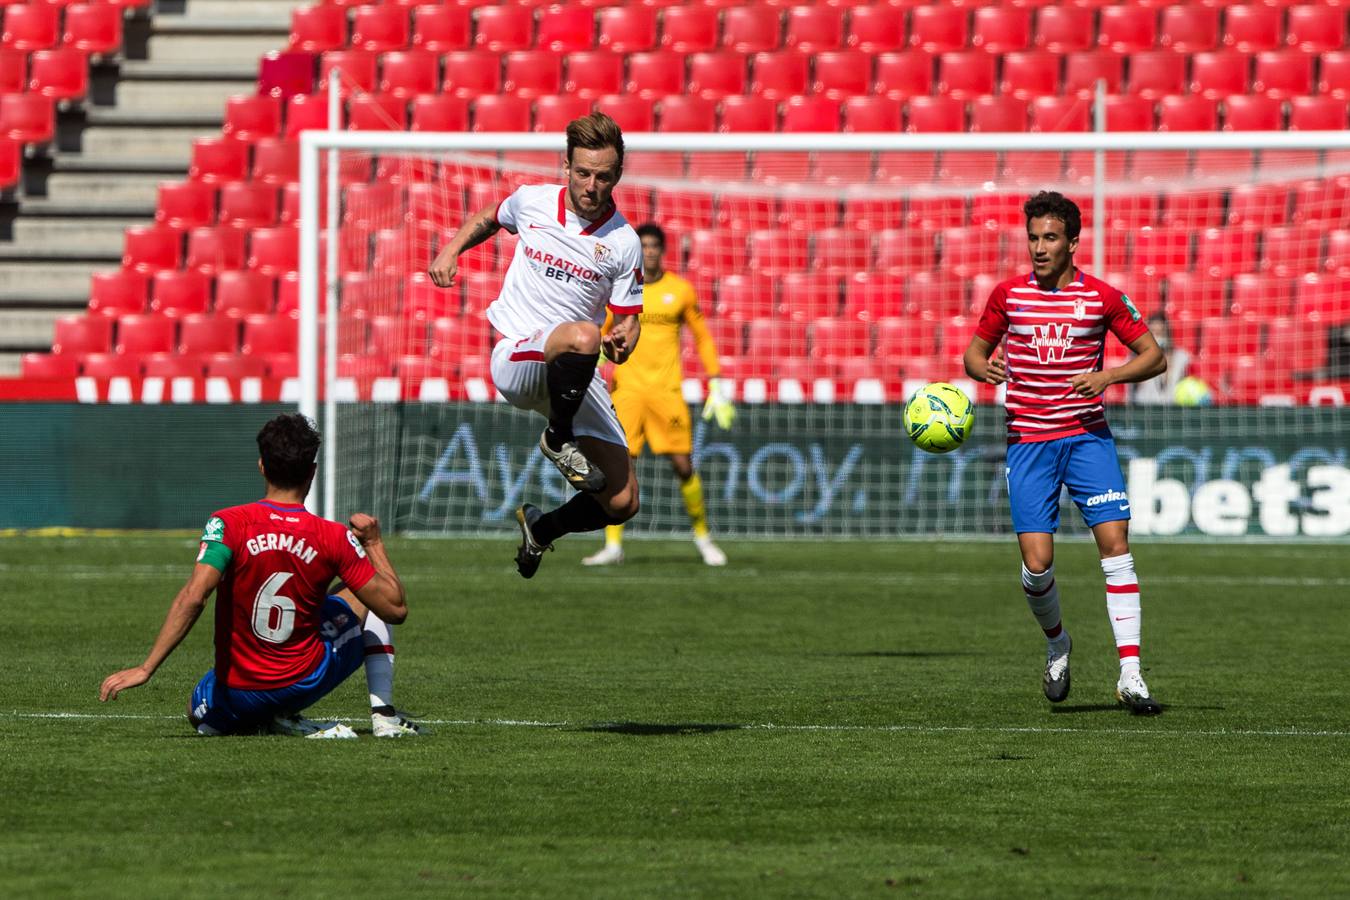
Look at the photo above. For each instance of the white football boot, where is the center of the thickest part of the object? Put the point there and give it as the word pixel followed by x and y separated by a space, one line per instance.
pixel 1055 681
pixel 299 726
pixel 609 555
pixel 711 553
pixel 397 725
pixel 1132 692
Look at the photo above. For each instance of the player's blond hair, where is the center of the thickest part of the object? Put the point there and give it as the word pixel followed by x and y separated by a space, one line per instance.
pixel 594 132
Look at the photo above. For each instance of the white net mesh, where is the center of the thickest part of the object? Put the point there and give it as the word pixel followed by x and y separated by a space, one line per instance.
pixel 836 282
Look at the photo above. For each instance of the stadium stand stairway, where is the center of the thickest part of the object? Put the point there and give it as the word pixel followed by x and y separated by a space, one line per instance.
pixel 100 174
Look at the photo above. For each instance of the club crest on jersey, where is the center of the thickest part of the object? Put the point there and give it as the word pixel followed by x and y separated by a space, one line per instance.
pixel 601 254
pixel 1051 341
pixel 1079 308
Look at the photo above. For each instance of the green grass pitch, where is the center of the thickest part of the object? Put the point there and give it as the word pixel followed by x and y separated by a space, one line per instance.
pixel 845 719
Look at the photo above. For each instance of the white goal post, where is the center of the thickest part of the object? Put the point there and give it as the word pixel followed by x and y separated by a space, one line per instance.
pixel 1091 167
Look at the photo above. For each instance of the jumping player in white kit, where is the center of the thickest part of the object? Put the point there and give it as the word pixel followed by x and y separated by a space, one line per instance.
pixel 576 258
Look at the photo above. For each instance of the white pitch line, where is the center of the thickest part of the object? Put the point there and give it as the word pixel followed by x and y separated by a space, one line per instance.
pixel 773 726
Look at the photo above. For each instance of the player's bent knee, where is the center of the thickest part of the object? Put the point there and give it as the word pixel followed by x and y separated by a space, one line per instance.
pixel 576 337
pixel 622 506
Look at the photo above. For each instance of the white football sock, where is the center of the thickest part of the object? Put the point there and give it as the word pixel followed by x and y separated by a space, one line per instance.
pixel 379 641
pixel 1043 598
pixel 1122 607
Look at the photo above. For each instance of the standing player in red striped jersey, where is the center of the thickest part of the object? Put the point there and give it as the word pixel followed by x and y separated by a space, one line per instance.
pixel 283 638
pixel 1053 323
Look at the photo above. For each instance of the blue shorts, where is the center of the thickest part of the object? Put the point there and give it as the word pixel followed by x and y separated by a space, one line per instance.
pixel 217 709
pixel 1084 463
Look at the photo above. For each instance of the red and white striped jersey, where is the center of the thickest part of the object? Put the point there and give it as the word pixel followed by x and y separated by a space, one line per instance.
pixel 1051 336
pixel 565 268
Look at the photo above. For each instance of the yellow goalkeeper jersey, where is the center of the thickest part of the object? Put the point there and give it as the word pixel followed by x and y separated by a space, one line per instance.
pixel 667 303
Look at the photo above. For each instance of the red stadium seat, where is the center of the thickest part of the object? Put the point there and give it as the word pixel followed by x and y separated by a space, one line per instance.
pixel 274 251
pixel 1258 205
pixel 750 29
pixel 716 253
pixel 532 73
pixel 441 28
pixel 996 114
pixel 1064 29
pixel 316 29
pixel 904 74
pixel 248 205
pixel 900 253
pixel 1063 113
pixel 1129 113
pixel 657 74
pixel 380 29
pixel 873 297
pixel 141 334
pixel 1254 112
pixel 1324 202
pixel 148 249
pixel 777 76
pixel 774 338
pixel 1001 29
pixel 285 73
pixel 969 251
pixel 966 74
pixel 30 27
pixel 565 29
pixel 202 333
pixel 840 339
pixel 440 112
pixel 554 112
pixel 935 295
pixel 743 297
pixel 1222 252
pixel 185 204
pixel 27 118
pixel 48 366
pixel 876 28
pixel 1334 74
pixel 240 294
pixel 935 213
pixel 840 74
pixel 812 29
pixel 689 29
pixel 61 74
pixel 73 335
pixel 265 335
pixel 841 251
pixel 750 112
pixel 1293 345
pixel 1083 70
pixel 930 114
pixel 1219 74
pixel 1192 296
pixel 685 113
pixel 234 366
pixel 276 162
pixel 1261 297
pixel 1323 299
pixel 306 112
pixel 180 292
pixel 872 114
pixel 1189 28
pixel 94 28
pixel 629 113
pixel 13 71
pixel 1127 28
pixel 1291 250
pixel 408 73
pixel 593 73
pixel 501 112
pixel 472 73
pixel 1225 336
pixel 820 114
pixel 1159 251
pixel 627 29
pixel 1029 74
pixel 215 249
pixel 1248 29
pixel 938 28
pixel 377 112
pixel 807 296
pixel 1283 74
pixel 717 74
pixel 1157 73
pixel 252 117
pixel 110 365
pixel 504 28
pixel 1316 27
pixel 1189 113
pixel 217 160
pixel 774 252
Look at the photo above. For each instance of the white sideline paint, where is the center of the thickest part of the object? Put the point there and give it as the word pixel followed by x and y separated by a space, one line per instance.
pixel 774 726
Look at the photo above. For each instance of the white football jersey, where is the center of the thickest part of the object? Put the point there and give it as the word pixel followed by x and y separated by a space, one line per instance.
pixel 565 268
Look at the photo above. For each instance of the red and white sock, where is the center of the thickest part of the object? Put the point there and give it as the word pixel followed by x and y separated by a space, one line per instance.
pixel 1122 607
pixel 1043 598
pixel 379 641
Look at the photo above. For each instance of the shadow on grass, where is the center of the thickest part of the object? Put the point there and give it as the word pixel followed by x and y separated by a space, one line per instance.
pixel 656 729
pixel 1087 708
pixel 899 654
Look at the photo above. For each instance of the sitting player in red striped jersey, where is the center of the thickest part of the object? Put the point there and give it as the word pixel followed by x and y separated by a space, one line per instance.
pixel 1052 323
pixel 575 257
pixel 284 638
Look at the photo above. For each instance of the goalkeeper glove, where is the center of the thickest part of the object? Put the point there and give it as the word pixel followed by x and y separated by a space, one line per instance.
pixel 718 405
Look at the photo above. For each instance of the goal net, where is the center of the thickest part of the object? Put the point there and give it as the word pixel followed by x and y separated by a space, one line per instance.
pixel 837 274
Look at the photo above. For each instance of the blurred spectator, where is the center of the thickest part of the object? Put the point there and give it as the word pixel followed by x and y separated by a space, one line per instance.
pixel 1162 390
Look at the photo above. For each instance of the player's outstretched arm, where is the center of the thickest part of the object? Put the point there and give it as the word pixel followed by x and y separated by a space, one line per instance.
pixel 472 233
pixel 183 614
pixel 383 594
pixel 982 365
pixel 622 338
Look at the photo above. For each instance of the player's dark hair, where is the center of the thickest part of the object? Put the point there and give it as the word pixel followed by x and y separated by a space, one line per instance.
pixel 652 230
pixel 1057 206
pixel 594 132
pixel 288 445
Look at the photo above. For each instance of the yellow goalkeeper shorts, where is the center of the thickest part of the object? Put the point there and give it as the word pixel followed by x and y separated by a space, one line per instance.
pixel 659 418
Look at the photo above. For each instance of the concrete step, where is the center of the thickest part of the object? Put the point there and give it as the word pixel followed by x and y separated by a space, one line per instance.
pixel 96 235
pixel 70 187
pixel 269 10
pixel 25 330
pixel 194 39
pixel 10 364
pixel 20 278
pixel 155 96
pixel 139 142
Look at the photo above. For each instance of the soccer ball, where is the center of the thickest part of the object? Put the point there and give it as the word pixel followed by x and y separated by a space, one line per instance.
pixel 1192 391
pixel 938 418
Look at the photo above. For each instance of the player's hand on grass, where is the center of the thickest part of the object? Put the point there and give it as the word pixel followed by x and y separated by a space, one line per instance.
pixel 718 405
pixel 1090 384
pixel 996 372
pixel 443 269
pixel 365 527
pixel 121 681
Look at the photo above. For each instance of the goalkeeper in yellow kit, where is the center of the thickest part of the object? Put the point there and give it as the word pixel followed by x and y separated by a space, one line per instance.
pixel 647 392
